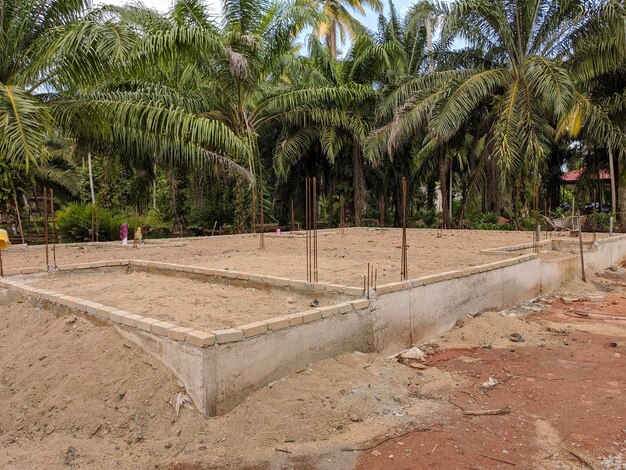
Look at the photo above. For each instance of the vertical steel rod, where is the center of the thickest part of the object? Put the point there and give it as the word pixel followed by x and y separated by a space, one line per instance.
pixel 306 226
pixel 19 217
pixel 315 228
pixel 45 222
pixel 262 237
pixel 582 258
pixel 54 230
pixel 403 265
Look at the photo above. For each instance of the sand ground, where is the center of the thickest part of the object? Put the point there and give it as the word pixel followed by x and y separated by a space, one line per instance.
pixel 341 260
pixel 185 302
pixel 74 394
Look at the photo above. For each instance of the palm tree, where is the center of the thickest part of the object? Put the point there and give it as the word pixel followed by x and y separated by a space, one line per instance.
pixel 515 83
pixel 335 18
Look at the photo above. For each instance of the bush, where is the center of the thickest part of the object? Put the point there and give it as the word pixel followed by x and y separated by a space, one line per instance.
pixel 428 218
pixel 74 223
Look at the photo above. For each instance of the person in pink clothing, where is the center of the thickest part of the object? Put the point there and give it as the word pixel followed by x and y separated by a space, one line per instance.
pixel 124 233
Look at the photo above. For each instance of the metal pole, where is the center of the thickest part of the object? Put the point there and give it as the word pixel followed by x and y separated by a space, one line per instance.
pixel 403 264
pixel 19 218
pixel 262 237
pixel 595 216
pixel 45 224
pixel 306 226
pixel 315 228
pixel 54 229
pixel 582 258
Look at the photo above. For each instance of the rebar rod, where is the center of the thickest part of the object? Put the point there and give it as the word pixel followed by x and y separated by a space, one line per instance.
pixel 54 230
pixel 19 217
pixel 45 224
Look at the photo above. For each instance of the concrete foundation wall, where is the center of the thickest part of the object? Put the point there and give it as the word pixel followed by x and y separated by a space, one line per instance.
pixel 403 318
pixel 220 372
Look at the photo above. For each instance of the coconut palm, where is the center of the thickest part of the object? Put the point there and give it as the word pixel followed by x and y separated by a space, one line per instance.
pixel 517 83
pixel 335 19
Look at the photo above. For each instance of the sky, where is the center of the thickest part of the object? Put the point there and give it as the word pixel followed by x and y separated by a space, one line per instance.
pixel 370 19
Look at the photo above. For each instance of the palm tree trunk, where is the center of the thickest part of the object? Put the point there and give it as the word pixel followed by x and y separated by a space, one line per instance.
pixel 93 192
pixel 443 187
pixel 612 173
pixel 621 189
pixel 332 38
pixel 358 183
pixel 429 42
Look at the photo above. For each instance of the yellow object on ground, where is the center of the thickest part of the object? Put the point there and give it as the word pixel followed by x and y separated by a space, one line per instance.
pixel 4 240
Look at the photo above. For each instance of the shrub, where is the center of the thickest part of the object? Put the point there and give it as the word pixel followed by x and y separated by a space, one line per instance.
pixel 74 223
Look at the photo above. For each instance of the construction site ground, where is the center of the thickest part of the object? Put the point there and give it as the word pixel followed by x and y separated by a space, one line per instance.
pixel 186 302
pixel 75 394
pixel 341 259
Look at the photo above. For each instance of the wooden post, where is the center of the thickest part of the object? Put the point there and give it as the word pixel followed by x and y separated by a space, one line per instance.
pixel 19 217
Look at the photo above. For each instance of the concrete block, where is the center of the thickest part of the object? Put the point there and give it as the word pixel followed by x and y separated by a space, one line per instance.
pixel 255 278
pixel 68 267
pixel 279 323
pixel 295 284
pixel 280 281
pixel 146 323
pixel 311 315
pixel 117 316
pixel 344 307
pixel 200 338
pixel 329 311
pixel 131 319
pixel 356 291
pixel 161 328
pixel 384 289
pixel 294 319
pixel 360 304
pixel 336 288
pixel 228 335
pixel 32 270
pixel 178 333
pixel 254 329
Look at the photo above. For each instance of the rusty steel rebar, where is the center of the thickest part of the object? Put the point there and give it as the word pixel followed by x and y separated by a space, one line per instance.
pixel 45 224
pixel 262 233
pixel 582 257
pixel 135 229
pixel 54 230
pixel 403 263
pixel 306 227
pixel 315 267
pixel 342 215
pixel 19 217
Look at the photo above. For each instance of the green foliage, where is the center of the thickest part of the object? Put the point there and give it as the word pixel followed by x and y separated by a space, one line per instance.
pixel 74 223
pixel 428 218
